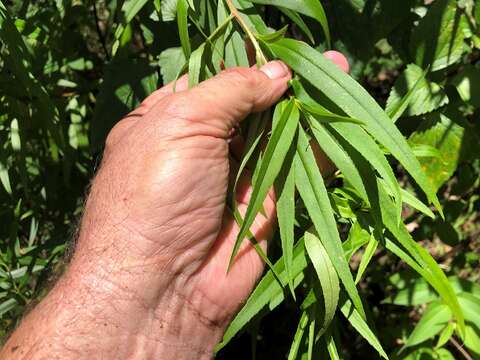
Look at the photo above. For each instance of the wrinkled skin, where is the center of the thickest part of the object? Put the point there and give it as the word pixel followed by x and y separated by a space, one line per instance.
pixel 148 276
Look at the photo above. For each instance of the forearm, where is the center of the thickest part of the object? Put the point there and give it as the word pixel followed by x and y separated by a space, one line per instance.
pixel 108 307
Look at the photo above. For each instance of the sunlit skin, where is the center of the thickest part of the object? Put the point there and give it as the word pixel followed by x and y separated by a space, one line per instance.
pixel 148 276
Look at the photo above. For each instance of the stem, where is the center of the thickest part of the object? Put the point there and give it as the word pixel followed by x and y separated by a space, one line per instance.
pixel 460 348
pixel 261 59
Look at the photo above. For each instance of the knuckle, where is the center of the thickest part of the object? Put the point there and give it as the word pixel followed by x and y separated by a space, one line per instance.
pixel 116 133
pixel 245 76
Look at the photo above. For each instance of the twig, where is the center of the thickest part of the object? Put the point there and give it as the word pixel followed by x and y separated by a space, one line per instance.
pixel 99 31
pixel 259 54
pixel 460 348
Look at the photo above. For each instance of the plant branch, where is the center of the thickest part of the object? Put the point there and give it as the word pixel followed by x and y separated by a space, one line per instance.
pixel 99 31
pixel 460 348
pixel 261 59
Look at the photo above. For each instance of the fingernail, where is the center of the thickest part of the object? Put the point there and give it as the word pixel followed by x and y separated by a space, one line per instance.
pixel 275 70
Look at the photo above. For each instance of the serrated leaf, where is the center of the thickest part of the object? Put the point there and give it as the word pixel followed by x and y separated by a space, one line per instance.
pixel 312 189
pixel 312 8
pixel 272 160
pixel 432 322
pixel 348 95
pixel 467 83
pixel 171 62
pixel 437 41
pixel 424 96
pixel 326 275
pixel 169 10
pixel 440 132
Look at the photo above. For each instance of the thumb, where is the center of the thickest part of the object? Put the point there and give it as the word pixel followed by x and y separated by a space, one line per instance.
pixel 226 99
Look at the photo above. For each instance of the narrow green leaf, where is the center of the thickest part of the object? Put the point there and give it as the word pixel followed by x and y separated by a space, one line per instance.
pixel 432 322
pixel 274 36
pixel 321 113
pixel 472 339
pixel 411 200
pixel 297 19
pixel 423 261
pixel 285 192
pixel 274 155
pixel 357 237
pixel 311 331
pixel 339 157
pixel 312 8
pixel 363 143
pixel 312 189
pixel 471 307
pixel 298 337
pixel 130 9
pixel 5 178
pixel 235 53
pixel 268 290
pixel 326 275
pixel 182 22
pixel 347 94
pixel 366 258
pixel 445 335
pixel 195 65
pixel 332 348
pixel 359 324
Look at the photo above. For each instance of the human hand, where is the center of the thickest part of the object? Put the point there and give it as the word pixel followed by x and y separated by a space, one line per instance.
pixel 150 265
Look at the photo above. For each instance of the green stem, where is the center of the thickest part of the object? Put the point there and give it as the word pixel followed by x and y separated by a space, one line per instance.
pixel 261 59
